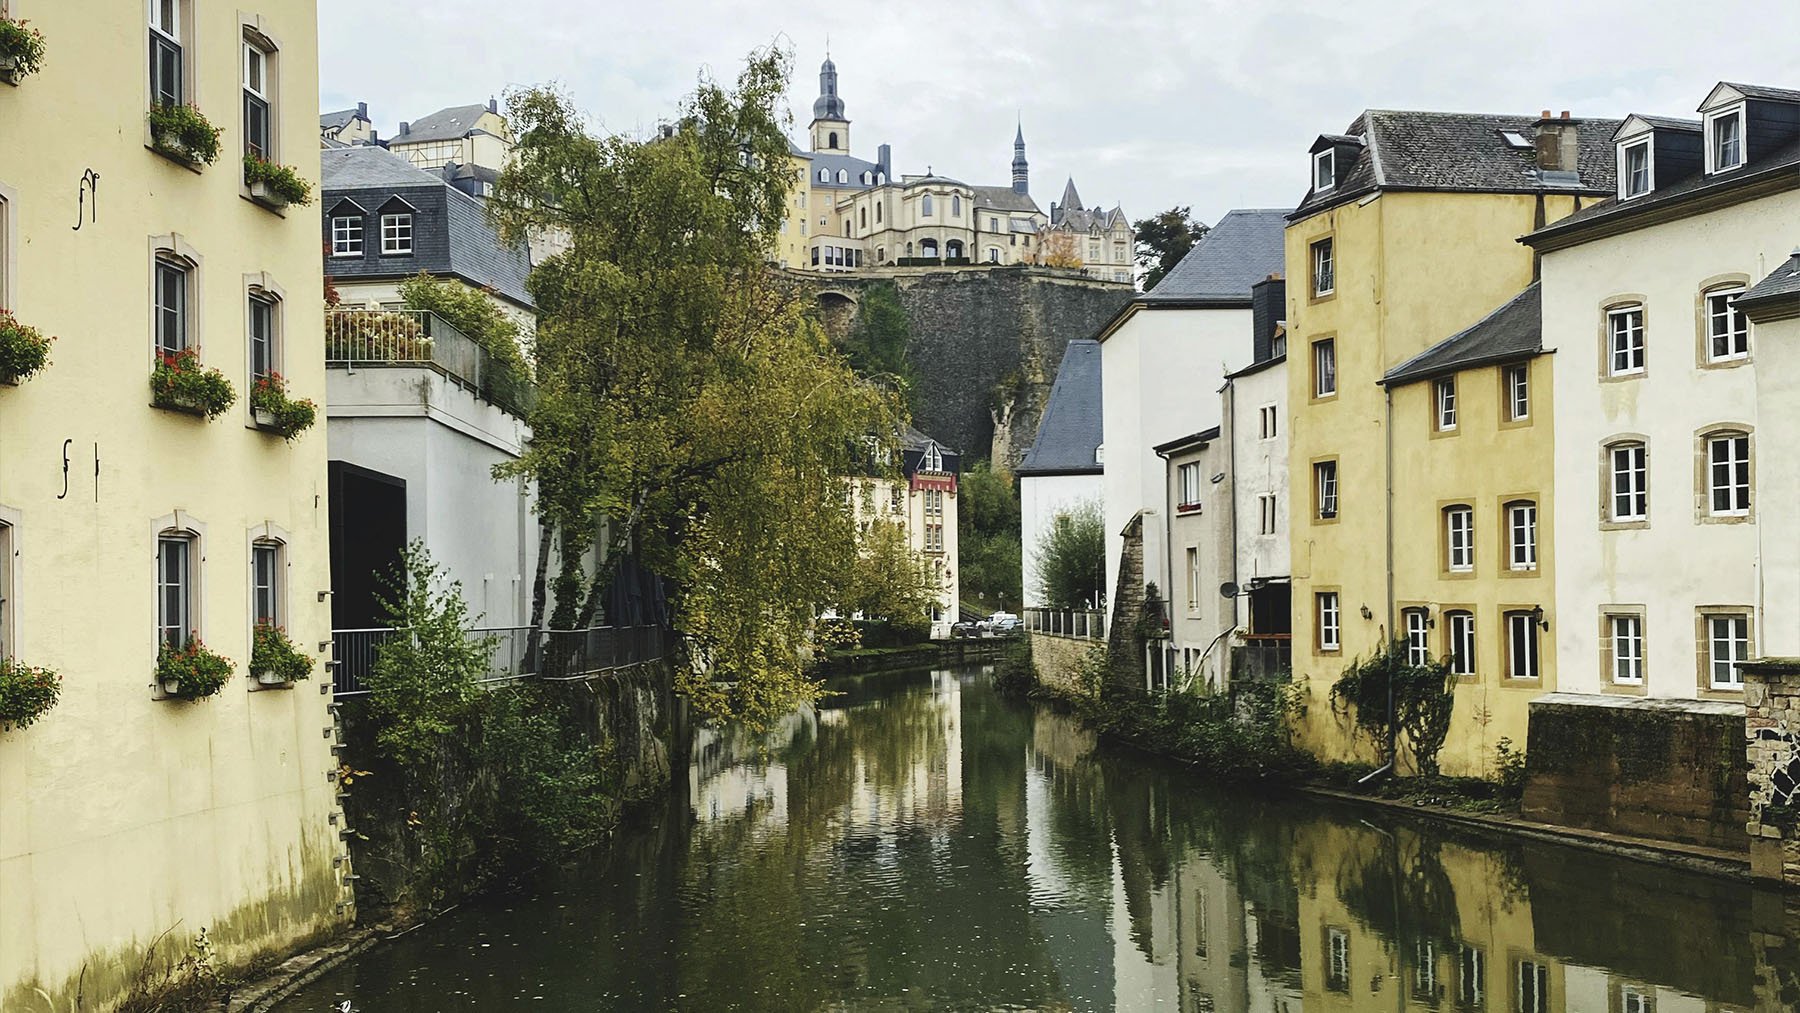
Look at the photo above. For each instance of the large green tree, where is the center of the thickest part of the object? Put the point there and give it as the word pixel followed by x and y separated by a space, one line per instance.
pixel 1071 558
pixel 876 344
pixel 687 398
pixel 987 536
pixel 1163 239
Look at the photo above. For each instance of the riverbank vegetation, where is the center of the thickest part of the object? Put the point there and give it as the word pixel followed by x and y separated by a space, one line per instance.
pixel 987 533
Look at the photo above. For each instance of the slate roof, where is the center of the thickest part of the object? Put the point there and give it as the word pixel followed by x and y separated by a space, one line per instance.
pixel 853 168
pixel 1782 285
pixel 444 125
pixel 337 120
pixel 1763 91
pixel 1670 122
pixel 1069 435
pixel 1199 439
pixel 1245 247
pixel 451 231
pixel 1004 198
pixel 1514 331
pixel 1458 152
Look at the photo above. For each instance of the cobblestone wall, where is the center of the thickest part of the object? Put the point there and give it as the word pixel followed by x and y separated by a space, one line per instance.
pixel 1772 746
pixel 1060 661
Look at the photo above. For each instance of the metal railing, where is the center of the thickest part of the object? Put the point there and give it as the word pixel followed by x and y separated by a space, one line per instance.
pixel 562 654
pixel 1082 624
pixel 1262 657
pixel 365 337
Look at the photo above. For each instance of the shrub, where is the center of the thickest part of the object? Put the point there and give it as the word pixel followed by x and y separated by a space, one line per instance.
pixel 282 180
pixel 272 651
pixel 1510 764
pixel 1423 698
pixel 1071 558
pixel 1016 674
pixel 26 693
pixel 23 45
pixel 181 383
pixel 23 349
pixel 290 418
pixel 182 131
pixel 195 671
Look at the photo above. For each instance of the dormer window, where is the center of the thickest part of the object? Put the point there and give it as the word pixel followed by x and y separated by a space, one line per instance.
pixel 1325 170
pixel 1725 140
pixel 1634 169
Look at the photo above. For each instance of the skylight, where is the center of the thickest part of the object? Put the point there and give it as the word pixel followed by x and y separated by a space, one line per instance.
pixel 1514 139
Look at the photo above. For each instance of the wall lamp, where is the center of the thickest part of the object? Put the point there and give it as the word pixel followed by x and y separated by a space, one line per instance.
pixel 1537 616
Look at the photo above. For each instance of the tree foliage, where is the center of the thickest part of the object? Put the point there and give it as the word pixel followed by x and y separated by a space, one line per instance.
pixel 1424 696
pixel 426 679
pixel 1059 249
pixel 1163 239
pixel 688 400
pixel 470 311
pixel 877 343
pixel 1071 558
pixel 889 581
pixel 987 537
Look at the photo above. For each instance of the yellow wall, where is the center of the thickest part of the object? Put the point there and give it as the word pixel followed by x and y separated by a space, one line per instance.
pixel 123 816
pixel 1411 270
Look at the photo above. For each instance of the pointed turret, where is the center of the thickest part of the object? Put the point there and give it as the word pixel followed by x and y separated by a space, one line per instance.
pixel 830 126
pixel 1021 169
pixel 1071 201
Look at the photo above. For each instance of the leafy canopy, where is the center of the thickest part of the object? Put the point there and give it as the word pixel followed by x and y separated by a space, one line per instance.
pixel 1163 239
pixel 1071 558
pixel 987 516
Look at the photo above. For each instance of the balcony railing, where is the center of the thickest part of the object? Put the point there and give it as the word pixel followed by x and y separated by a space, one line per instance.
pixel 355 338
pixel 1082 624
pixel 561 654
pixel 1262 657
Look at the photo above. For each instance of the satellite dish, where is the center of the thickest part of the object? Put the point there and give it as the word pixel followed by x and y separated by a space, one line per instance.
pixel 1228 589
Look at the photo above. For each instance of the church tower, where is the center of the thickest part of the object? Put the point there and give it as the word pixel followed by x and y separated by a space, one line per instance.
pixel 1021 169
pixel 830 127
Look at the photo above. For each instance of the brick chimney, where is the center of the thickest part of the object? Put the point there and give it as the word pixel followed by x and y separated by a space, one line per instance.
pixel 1558 141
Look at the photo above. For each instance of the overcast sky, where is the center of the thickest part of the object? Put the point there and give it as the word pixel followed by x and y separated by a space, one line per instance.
pixel 1209 103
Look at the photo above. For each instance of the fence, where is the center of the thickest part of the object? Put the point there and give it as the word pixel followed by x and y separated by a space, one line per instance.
pixel 1262 657
pixel 564 654
pixel 1082 624
pixel 364 337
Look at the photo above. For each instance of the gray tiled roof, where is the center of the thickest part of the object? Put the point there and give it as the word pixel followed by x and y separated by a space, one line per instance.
pixel 1458 151
pixel 1783 283
pixel 1763 91
pixel 1069 435
pixel 1243 249
pixel 1670 122
pixel 1514 331
pixel 1004 198
pixel 443 125
pixel 333 121
pixel 853 169
pixel 366 165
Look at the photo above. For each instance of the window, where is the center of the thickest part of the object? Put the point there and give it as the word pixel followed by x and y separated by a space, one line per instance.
pixel 1418 636
pixel 167 70
pixel 1625 341
pixel 1727 647
pixel 955 205
pixel 815 256
pixel 1270 421
pixel 171 305
pixel 1330 632
pixel 1471 977
pixel 262 336
pixel 1269 518
pixel 934 536
pixel 1630 497
pixel 862 218
pixel 1337 971
pixel 925 206
pixel 6 590
pixel 1728 468
pixel 1634 170
pixel 265 583
pixel 257 132
pixel 1325 489
pixel 1425 981
pixel 1324 277
pixel 878 214
pixel 1193 579
pixel 1521 645
pixel 396 234
pixel 1446 404
pixel 1189 477
pixel 1633 1001
pixel 346 236
pixel 1459 539
pixel 1093 248
pixel 1521 535
pixel 843 176
pixel 993 225
pixel 1324 368
pixel 928 248
pixel 1534 987
pixel 174 588
pixel 1518 392
pixel 824 175
pixel 1460 627
pixel 831 140
pixel 933 460
pixel 1325 170
pixel 1727 330
pixel 993 254
pixel 934 502
pixel 1625 636
pixel 896 500
pixel 1725 140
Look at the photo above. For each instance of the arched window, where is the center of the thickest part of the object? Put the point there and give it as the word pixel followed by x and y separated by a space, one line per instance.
pixel 925 206
pixel 909 249
pixel 831 140
pixel 878 214
pixel 956 205
pixel 880 178
pixel 928 248
pixel 866 177
pixel 824 175
pixel 953 249
pixel 843 176
pixel 862 217
pixel 847 227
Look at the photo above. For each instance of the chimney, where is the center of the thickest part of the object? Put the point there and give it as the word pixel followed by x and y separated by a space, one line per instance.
pixel 1268 302
pixel 494 106
pixel 1558 142
pixel 403 128
pixel 362 110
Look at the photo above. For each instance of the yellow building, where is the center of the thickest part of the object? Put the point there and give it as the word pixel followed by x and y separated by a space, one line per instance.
pixel 127 814
pixel 921 500
pixel 1406 239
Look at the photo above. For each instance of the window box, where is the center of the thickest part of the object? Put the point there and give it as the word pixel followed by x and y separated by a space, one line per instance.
pixel 21 50
pixel 275 186
pixel 272 409
pixel 23 350
pixel 274 658
pixel 26 693
pixel 190 672
pixel 180 383
pixel 183 134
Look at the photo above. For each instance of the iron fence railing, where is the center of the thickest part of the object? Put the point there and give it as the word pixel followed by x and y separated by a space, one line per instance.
pixel 1262 657
pixel 562 654
pixel 364 337
pixel 1082 624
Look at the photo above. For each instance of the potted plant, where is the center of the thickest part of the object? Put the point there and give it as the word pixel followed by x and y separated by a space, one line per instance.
pixel 180 383
pixel 274 658
pixel 183 134
pixel 274 184
pixel 21 50
pixel 26 693
pixel 273 410
pixel 191 671
pixel 23 349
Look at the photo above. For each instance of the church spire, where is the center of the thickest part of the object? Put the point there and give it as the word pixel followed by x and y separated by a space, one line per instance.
pixel 1021 169
pixel 830 127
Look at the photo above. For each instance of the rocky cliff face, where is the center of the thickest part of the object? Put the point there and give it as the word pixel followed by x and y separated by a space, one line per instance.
pixel 985 345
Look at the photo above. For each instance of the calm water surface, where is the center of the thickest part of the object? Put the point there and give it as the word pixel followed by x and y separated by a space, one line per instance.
pixel 919 843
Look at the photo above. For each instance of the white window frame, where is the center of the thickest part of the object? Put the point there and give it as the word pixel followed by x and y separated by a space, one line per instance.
pixel 1625 635
pixel 1713 119
pixel 1269 515
pixel 1325 170
pixel 1535 997
pixel 346 235
pixel 271 341
pixel 1628 468
pixel 1471 977
pixel 1522 536
pixel 1270 417
pixel 1325 368
pixel 1633 1001
pixel 1625 339
pixel 256 56
pixel 1459 539
pixel 1193 578
pixel 1325 488
pixel 1188 483
pixel 396 228
pixel 1736 484
pixel 1625 152
pixel 1330 619
pixel 1324 266
pixel 1459 625
pixel 1730 630
pixel 180 315
pixel 1337 971
pixel 1418 636
pixel 267 584
pixel 175 568
pixel 173 35
pixel 1721 309
pixel 1523 646
pixel 1518 392
pixel 9 591
pixel 1444 395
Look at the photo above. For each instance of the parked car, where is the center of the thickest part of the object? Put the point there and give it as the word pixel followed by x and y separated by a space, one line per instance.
pixel 965 629
pixel 1003 624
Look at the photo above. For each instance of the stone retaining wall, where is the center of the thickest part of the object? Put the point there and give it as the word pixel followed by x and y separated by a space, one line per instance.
pixel 1059 661
pixel 1772 746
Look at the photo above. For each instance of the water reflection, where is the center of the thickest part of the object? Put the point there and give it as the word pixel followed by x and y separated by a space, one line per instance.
pixel 918 843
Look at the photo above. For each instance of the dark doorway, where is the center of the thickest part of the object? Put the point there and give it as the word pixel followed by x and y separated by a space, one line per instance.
pixel 368 532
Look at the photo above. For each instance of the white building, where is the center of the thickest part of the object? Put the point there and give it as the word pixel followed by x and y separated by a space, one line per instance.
pixel 1163 357
pixel 1196 519
pixel 1773 306
pixel 1659 573
pixel 1062 471
pixel 1255 431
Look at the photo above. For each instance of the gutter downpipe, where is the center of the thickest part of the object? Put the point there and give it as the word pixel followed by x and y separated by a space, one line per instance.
pixel 1387 435
pixel 1231 462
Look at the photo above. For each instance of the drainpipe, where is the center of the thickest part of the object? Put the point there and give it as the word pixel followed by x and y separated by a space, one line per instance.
pixel 1231 463
pixel 1387 435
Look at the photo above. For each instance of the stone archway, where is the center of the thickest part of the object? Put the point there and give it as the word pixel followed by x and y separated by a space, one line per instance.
pixel 837 311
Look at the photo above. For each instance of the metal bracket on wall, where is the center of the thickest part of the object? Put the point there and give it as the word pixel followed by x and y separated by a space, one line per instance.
pixel 89 185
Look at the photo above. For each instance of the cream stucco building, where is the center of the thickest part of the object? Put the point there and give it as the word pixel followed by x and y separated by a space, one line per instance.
pixel 922 501
pixel 1062 473
pixel 128 816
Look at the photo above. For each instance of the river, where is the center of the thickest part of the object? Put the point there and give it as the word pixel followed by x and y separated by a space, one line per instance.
pixel 920 843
